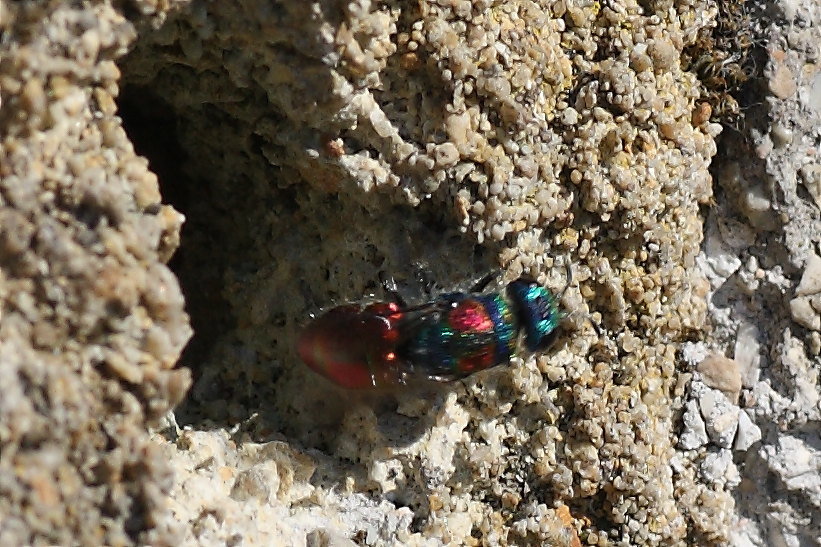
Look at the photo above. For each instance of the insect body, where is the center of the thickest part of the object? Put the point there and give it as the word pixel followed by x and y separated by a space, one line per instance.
pixel 448 338
pixel 355 346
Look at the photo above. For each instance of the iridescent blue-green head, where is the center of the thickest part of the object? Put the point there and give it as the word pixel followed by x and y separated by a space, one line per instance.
pixel 538 312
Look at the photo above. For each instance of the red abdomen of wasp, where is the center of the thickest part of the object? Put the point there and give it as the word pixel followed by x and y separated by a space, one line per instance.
pixel 354 347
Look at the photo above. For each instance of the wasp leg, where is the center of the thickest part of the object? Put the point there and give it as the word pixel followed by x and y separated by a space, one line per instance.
pixel 482 283
pixel 569 281
pixel 569 276
pixel 586 316
pixel 595 326
pixel 425 279
pixel 389 286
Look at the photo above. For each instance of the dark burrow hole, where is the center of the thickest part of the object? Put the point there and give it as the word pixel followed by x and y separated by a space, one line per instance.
pixel 151 125
pixel 218 258
pixel 217 247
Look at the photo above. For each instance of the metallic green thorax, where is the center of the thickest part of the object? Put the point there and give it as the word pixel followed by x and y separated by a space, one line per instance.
pixel 538 312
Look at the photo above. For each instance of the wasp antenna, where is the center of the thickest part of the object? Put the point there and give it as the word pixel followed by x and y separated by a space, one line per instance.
pixel 568 269
pixel 596 328
pixel 482 283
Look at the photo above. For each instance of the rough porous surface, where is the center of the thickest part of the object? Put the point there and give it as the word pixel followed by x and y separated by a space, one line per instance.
pixel 316 147
pixel 91 320
pixel 761 362
pixel 547 133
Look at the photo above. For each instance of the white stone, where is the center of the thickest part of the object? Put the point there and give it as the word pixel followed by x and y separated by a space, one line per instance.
pixel 813 99
pixel 811 278
pixel 718 468
pixel 721 257
pixel 694 352
pixel 797 464
pixel 694 433
pixel 747 354
pixel 811 177
pixel 748 433
pixel 803 313
pixel 757 206
pixel 720 417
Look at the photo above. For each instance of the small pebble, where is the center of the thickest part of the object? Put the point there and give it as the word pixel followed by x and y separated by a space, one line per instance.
pixel 694 432
pixel 720 417
pixel 748 433
pixel 803 313
pixel 782 82
pixel 721 373
pixel 811 278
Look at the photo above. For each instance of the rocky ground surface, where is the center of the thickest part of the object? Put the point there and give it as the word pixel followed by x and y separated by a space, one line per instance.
pixel 315 146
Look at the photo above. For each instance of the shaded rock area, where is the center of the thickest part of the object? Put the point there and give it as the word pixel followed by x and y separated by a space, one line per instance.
pixel 318 147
